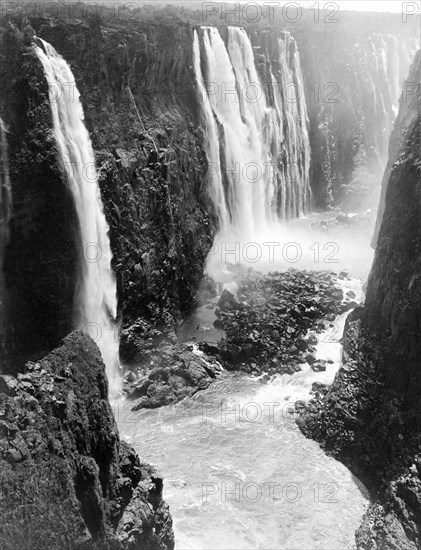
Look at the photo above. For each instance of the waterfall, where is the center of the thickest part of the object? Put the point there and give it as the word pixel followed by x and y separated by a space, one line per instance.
pixel 5 214
pixel 95 306
pixel 258 152
pixel 211 143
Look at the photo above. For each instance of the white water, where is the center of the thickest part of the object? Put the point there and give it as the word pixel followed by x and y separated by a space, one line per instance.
pixel 238 473
pixel 95 306
pixel 264 173
pixel 244 476
pixel 6 206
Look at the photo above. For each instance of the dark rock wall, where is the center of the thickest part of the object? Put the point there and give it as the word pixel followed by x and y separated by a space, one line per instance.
pixel 370 418
pixel 403 123
pixel 66 479
pixel 138 90
pixel 40 259
pixel 393 305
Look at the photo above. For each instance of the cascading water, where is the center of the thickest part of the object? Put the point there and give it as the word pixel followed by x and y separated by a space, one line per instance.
pixel 258 154
pixel 5 214
pixel 95 307
pixel 211 142
pixel 254 474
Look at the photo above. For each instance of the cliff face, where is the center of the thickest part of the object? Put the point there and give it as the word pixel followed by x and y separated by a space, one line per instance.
pixel 393 305
pixel 137 88
pixel 353 81
pixel 67 481
pixel 137 85
pixel 41 256
pixel 404 122
pixel 370 417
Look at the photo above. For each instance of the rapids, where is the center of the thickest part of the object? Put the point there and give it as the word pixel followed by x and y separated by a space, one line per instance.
pixel 238 473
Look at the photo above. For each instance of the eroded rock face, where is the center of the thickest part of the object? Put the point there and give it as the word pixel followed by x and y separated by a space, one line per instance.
pixel 370 417
pixel 67 480
pixel 135 75
pixel 151 167
pixel 393 306
pixel 137 87
pixel 42 254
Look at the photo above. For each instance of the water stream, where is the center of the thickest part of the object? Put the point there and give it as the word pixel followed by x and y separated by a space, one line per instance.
pixel 238 472
pixel 95 306
pixel 5 215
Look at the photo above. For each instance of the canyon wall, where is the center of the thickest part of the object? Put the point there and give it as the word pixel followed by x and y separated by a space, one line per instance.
pixel 370 417
pixel 152 174
pixel 138 89
pixel 393 304
pixel 352 84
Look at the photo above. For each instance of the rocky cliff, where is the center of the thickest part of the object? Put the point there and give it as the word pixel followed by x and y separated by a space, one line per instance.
pixel 67 481
pixel 370 417
pixel 151 167
pixel 136 79
pixel 393 305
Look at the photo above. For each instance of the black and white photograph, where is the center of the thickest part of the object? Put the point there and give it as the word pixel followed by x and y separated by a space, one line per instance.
pixel 210 275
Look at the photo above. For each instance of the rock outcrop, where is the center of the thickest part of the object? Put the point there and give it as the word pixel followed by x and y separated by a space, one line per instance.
pixel 274 323
pixel 168 374
pixel 67 481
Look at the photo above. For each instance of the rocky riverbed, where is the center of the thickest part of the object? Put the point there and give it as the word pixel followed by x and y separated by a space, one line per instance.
pixel 272 324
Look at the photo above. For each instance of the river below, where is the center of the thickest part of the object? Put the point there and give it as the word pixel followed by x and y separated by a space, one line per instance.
pixel 238 473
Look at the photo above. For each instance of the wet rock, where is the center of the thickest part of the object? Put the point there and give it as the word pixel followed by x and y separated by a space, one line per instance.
pixel 210 349
pixel 8 384
pixel 301 344
pixel 319 365
pixel 312 338
pixel 319 387
pixel 227 299
pixel 276 311
pixel 130 376
pixel 311 358
pixel 171 373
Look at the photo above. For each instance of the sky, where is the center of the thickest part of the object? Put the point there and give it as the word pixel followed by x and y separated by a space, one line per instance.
pixel 358 5
pixel 373 5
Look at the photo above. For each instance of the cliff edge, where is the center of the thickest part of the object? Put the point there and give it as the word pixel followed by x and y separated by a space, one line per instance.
pixel 67 481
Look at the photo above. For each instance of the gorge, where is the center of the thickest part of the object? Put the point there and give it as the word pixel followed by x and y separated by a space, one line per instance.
pixel 144 152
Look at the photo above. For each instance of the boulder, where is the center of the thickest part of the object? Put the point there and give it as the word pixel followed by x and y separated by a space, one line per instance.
pixel 310 358
pixel 319 365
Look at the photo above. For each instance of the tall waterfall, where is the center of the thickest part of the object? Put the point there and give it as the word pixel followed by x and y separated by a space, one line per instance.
pixel 258 150
pixel 5 214
pixel 95 306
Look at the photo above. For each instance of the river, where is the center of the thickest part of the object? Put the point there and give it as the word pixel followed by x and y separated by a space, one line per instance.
pixel 238 473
